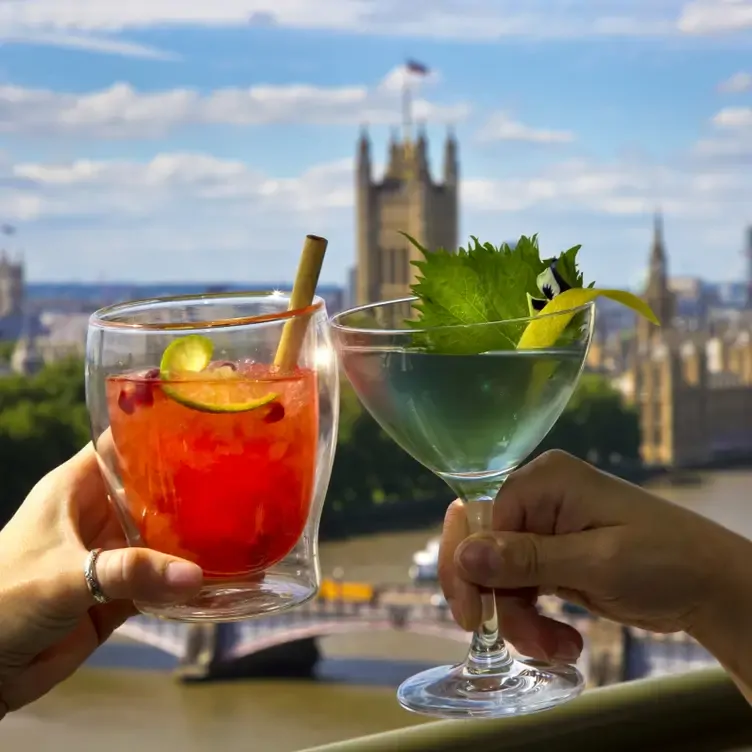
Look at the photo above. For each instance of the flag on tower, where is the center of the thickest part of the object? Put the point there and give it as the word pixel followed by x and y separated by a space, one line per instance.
pixel 412 68
pixel 418 69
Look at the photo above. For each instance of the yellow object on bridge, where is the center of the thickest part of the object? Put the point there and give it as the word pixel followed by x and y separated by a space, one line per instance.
pixel 332 590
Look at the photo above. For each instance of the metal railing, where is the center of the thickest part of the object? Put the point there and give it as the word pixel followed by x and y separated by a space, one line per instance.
pixel 697 712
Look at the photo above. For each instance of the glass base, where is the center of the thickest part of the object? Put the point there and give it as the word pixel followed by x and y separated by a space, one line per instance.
pixel 523 687
pixel 238 600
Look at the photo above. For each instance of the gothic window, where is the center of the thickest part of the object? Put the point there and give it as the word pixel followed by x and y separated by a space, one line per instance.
pixel 387 265
pixel 405 265
pixel 395 266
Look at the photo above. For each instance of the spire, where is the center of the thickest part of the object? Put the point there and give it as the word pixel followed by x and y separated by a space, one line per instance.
pixel 658 292
pixel 364 155
pixel 364 143
pixel 451 163
pixel 659 251
pixel 421 152
pixel 658 268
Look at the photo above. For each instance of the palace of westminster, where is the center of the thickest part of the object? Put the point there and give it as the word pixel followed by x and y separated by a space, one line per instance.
pixel 691 382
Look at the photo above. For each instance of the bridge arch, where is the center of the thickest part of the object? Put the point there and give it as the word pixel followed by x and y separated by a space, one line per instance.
pixel 251 642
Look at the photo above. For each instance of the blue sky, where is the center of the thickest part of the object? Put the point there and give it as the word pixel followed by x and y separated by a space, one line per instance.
pixel 163 140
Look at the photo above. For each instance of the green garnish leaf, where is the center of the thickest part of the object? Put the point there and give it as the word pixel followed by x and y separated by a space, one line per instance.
pixel 482 284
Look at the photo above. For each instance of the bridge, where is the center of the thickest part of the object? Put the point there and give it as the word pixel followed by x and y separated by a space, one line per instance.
pixel 204 650
pixel 286 643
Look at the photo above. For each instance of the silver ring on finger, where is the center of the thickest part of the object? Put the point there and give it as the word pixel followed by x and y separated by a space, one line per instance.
pixel 92 581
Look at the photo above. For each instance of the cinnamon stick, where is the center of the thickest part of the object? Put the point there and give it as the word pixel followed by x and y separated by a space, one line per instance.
pixel 309 269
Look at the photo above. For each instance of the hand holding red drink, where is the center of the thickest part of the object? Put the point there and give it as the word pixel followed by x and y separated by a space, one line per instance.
pixel 216 447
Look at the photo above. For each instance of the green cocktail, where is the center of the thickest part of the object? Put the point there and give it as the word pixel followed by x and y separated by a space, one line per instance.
pixel 465 417
pixel 468 377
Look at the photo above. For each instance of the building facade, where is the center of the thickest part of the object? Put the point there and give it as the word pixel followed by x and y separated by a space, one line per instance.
pixel 693 389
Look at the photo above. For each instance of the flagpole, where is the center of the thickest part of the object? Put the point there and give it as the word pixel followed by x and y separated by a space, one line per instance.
pixel 407 109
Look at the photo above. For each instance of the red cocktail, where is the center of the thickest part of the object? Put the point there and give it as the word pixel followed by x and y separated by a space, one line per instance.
pixel 214 419
pixel 217 466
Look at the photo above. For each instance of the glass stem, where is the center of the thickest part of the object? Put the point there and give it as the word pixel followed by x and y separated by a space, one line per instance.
pixel 488 653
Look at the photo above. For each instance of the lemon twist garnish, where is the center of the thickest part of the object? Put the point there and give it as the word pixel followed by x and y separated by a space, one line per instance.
pixel 545 329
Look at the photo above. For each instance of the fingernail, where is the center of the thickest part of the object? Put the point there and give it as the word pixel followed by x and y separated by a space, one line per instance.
pixel 569 652
pixel 183 575
pixel 480 558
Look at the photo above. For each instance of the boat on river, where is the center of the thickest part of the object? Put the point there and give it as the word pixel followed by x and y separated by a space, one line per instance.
pixel 425 566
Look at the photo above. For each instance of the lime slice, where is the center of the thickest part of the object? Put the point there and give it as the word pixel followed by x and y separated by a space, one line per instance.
pixel 192 354
pixel 545 330
pixel 186 380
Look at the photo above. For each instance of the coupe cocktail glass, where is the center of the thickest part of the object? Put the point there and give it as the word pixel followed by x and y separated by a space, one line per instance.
pixel 226 467
pixel 471 419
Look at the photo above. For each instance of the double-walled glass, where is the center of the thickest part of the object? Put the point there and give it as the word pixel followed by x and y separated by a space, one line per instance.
pixel 220 449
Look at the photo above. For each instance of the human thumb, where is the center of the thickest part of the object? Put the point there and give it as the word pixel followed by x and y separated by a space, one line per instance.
pixel 509 561
pixel 140 574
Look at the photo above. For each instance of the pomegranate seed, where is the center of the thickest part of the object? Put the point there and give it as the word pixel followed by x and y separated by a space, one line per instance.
pixel 126 401
pixel 144 394
pixel 152 374
pixel 275 414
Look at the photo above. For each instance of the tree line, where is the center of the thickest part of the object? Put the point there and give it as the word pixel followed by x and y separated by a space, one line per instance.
pixel 375 485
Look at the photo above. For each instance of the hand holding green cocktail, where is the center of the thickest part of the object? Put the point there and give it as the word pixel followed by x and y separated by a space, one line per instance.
pixel 469 384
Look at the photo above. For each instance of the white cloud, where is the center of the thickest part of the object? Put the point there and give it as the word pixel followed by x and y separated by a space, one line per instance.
pixel 734 117
pixel 733 137
pixel 189 215
pixel 715 16
pixel 87 42
pixel 178 215
pixel 109 16
pixel 737 84
pixel 618 189
pixel 120 111
pixel 739 146
pixel 90 188
pixel 501 127
pixel 168 181
pixel 95 24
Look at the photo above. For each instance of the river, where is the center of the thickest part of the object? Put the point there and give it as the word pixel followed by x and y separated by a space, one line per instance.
pixel 125 699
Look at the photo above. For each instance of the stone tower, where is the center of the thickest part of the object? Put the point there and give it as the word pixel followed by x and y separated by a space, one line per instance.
pixel 657 293
pixel 11 287
pixel 407 199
